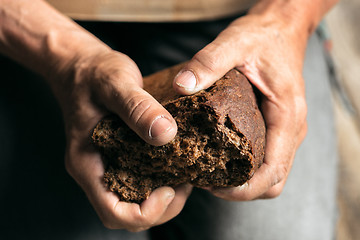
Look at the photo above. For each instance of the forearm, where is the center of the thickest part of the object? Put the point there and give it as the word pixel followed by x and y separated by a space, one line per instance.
pixel 40 38
pixel 302 15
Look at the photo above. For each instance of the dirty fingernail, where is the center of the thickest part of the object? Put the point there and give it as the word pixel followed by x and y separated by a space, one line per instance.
pixel 160 126
pixel 186 80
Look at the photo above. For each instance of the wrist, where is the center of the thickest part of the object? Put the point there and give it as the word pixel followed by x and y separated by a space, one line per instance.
pixel 299 17
pixel 42 39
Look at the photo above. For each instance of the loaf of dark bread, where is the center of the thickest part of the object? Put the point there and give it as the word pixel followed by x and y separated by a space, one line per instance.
pixel 220 140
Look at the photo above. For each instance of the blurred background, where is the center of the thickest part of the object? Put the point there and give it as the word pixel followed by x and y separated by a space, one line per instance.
pixel 343 23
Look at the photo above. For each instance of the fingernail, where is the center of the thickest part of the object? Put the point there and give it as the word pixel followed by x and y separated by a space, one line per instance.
pixel 245 185
pixel 230 190
pixel 159 126
pixel 186 80
pixel 170 197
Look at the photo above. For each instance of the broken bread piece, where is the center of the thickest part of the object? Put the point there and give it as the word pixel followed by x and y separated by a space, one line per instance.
pixel 220 140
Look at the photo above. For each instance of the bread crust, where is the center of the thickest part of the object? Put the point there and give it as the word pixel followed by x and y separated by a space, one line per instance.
pixel 220 140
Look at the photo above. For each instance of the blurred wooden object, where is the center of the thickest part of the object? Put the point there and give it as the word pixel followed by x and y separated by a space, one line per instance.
pixel 150 10
pixel 343 22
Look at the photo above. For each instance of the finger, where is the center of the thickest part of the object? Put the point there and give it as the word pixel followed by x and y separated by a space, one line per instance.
pixel 151 210
pixel 207 66
pixel 181 195
pixel 116 214
pixel 140 111
pixel 280 151
pixel 148 118
pixel 274 191
pixel 269 180
pixel 163 203
pixel 261 182
pixel 154 213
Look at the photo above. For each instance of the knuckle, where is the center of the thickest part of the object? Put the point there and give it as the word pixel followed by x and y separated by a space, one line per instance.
pixel 207 60
pixel 274 192
pixel 143 222
pixel 137 107
pixel 108 224
pixel 107 220
pixel 110 221
pixel 279 174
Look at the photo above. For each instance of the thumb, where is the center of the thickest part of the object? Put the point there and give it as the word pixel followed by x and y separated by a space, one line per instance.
pixel 207 66
pixel 148 118
pixel 141 112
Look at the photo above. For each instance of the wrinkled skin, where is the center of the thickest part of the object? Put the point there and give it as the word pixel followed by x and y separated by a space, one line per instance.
pixel 274 66
pixel 90 80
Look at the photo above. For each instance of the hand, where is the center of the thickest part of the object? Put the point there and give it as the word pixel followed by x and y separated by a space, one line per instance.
pixel 270 54
pixel 108 81
pixel 89 80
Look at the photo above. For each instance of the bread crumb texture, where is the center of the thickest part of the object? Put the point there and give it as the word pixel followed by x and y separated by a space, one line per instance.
pixel 220 143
